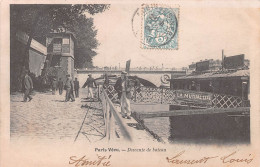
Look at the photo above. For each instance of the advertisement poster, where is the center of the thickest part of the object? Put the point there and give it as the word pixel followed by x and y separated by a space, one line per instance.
pixel 129 83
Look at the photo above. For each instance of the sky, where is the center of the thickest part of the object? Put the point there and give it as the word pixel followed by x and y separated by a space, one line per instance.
pixel 203 32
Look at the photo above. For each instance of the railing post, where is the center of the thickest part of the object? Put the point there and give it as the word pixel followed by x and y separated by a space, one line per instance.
pixel 104 112
pixel 135 93
pixel 98 92
pixel 214 101
pixel 112 126
pixel 162 96
pixel 108 117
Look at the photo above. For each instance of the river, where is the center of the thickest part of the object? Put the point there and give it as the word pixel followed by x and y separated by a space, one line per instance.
pixel 214 129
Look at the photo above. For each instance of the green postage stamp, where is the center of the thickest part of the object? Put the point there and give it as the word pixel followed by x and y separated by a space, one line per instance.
pixel 159 27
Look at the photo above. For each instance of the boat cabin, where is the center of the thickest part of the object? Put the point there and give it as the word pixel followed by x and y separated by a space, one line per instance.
pixel 235 83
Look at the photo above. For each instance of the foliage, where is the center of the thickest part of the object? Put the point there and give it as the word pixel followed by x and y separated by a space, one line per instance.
pixel 39 20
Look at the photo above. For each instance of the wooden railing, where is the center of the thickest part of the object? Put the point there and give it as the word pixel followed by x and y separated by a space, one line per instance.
pixel 112 116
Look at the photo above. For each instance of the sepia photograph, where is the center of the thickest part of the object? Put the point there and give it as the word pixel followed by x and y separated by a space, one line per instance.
pixel 160 80
pixel 58 92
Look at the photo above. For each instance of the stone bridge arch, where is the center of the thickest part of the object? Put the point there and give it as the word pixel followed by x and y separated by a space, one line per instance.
pixel 152 78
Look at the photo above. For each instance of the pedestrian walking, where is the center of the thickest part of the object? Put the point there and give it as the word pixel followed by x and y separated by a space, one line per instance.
pixel 60 86
pixel 123 85
pixel 54 86
pixel 27 86
pixel 69 87
pixel 91 83
pixel 76 87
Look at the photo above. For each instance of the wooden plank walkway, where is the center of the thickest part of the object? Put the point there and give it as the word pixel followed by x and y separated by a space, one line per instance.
pixel 144 114
pixel 135 129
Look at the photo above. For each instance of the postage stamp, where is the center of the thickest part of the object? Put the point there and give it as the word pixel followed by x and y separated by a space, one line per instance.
pixel 159 27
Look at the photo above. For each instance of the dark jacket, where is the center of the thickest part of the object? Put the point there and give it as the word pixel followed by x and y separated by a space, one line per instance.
pixel 54 84
pixel 69 84
pixel 118 87
pixel 76 85
pixel 27 83
pixel 90 83
pixel 60 84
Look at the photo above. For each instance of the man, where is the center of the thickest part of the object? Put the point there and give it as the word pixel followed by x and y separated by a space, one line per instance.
pixel 54 86
pixel 137 86
pixel 76 87
pixel 27 86
pixel 91 83
pixel 118 87
pixel 60 86
pixel 123 87
pixel 106 81
pixel 69 89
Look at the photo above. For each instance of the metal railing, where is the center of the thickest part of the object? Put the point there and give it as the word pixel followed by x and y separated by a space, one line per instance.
pixel 169 96
pixel 112 116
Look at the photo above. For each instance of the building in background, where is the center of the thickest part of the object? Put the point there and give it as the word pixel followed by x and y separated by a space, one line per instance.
pixel 60 54
pixel 37 57
pixel 205 65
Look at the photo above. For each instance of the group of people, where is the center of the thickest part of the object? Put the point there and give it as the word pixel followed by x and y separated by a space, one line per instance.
pixel 122 86
pixel 69 85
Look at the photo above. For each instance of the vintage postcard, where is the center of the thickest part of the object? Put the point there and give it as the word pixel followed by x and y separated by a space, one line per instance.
pixel 133 83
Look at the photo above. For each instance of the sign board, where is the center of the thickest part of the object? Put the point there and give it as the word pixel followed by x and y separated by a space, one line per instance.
pixel 194 96
pixel 165 78
pixel 127 68
pixel 65 48
pixel 202 66
pixel 57 48
pixel 234 62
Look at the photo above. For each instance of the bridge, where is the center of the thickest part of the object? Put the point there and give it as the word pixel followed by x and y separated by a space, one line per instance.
pixel 156 77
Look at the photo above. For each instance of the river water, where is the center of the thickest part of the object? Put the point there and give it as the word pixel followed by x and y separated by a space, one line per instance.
pixel 215 129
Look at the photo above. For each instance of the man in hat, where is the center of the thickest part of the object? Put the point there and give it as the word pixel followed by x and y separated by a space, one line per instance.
pixel 123 88
pixel 91 83
pixel 27 86
pixel 76 87
pixel 69 89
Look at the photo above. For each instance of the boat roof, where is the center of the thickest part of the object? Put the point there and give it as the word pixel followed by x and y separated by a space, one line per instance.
pixel 219 74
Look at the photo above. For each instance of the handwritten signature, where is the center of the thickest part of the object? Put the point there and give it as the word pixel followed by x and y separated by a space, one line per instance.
pixel 84 161
pixel 230 158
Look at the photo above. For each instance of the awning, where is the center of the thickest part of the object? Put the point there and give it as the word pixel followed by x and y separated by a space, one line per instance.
pixel 239 73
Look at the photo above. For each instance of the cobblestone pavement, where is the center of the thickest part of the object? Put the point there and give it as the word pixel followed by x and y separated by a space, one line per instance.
pixel 48 117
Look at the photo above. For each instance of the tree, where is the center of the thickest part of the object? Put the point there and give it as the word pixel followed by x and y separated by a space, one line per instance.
pixel 46 18
pixel 86 42
pixel 39 20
